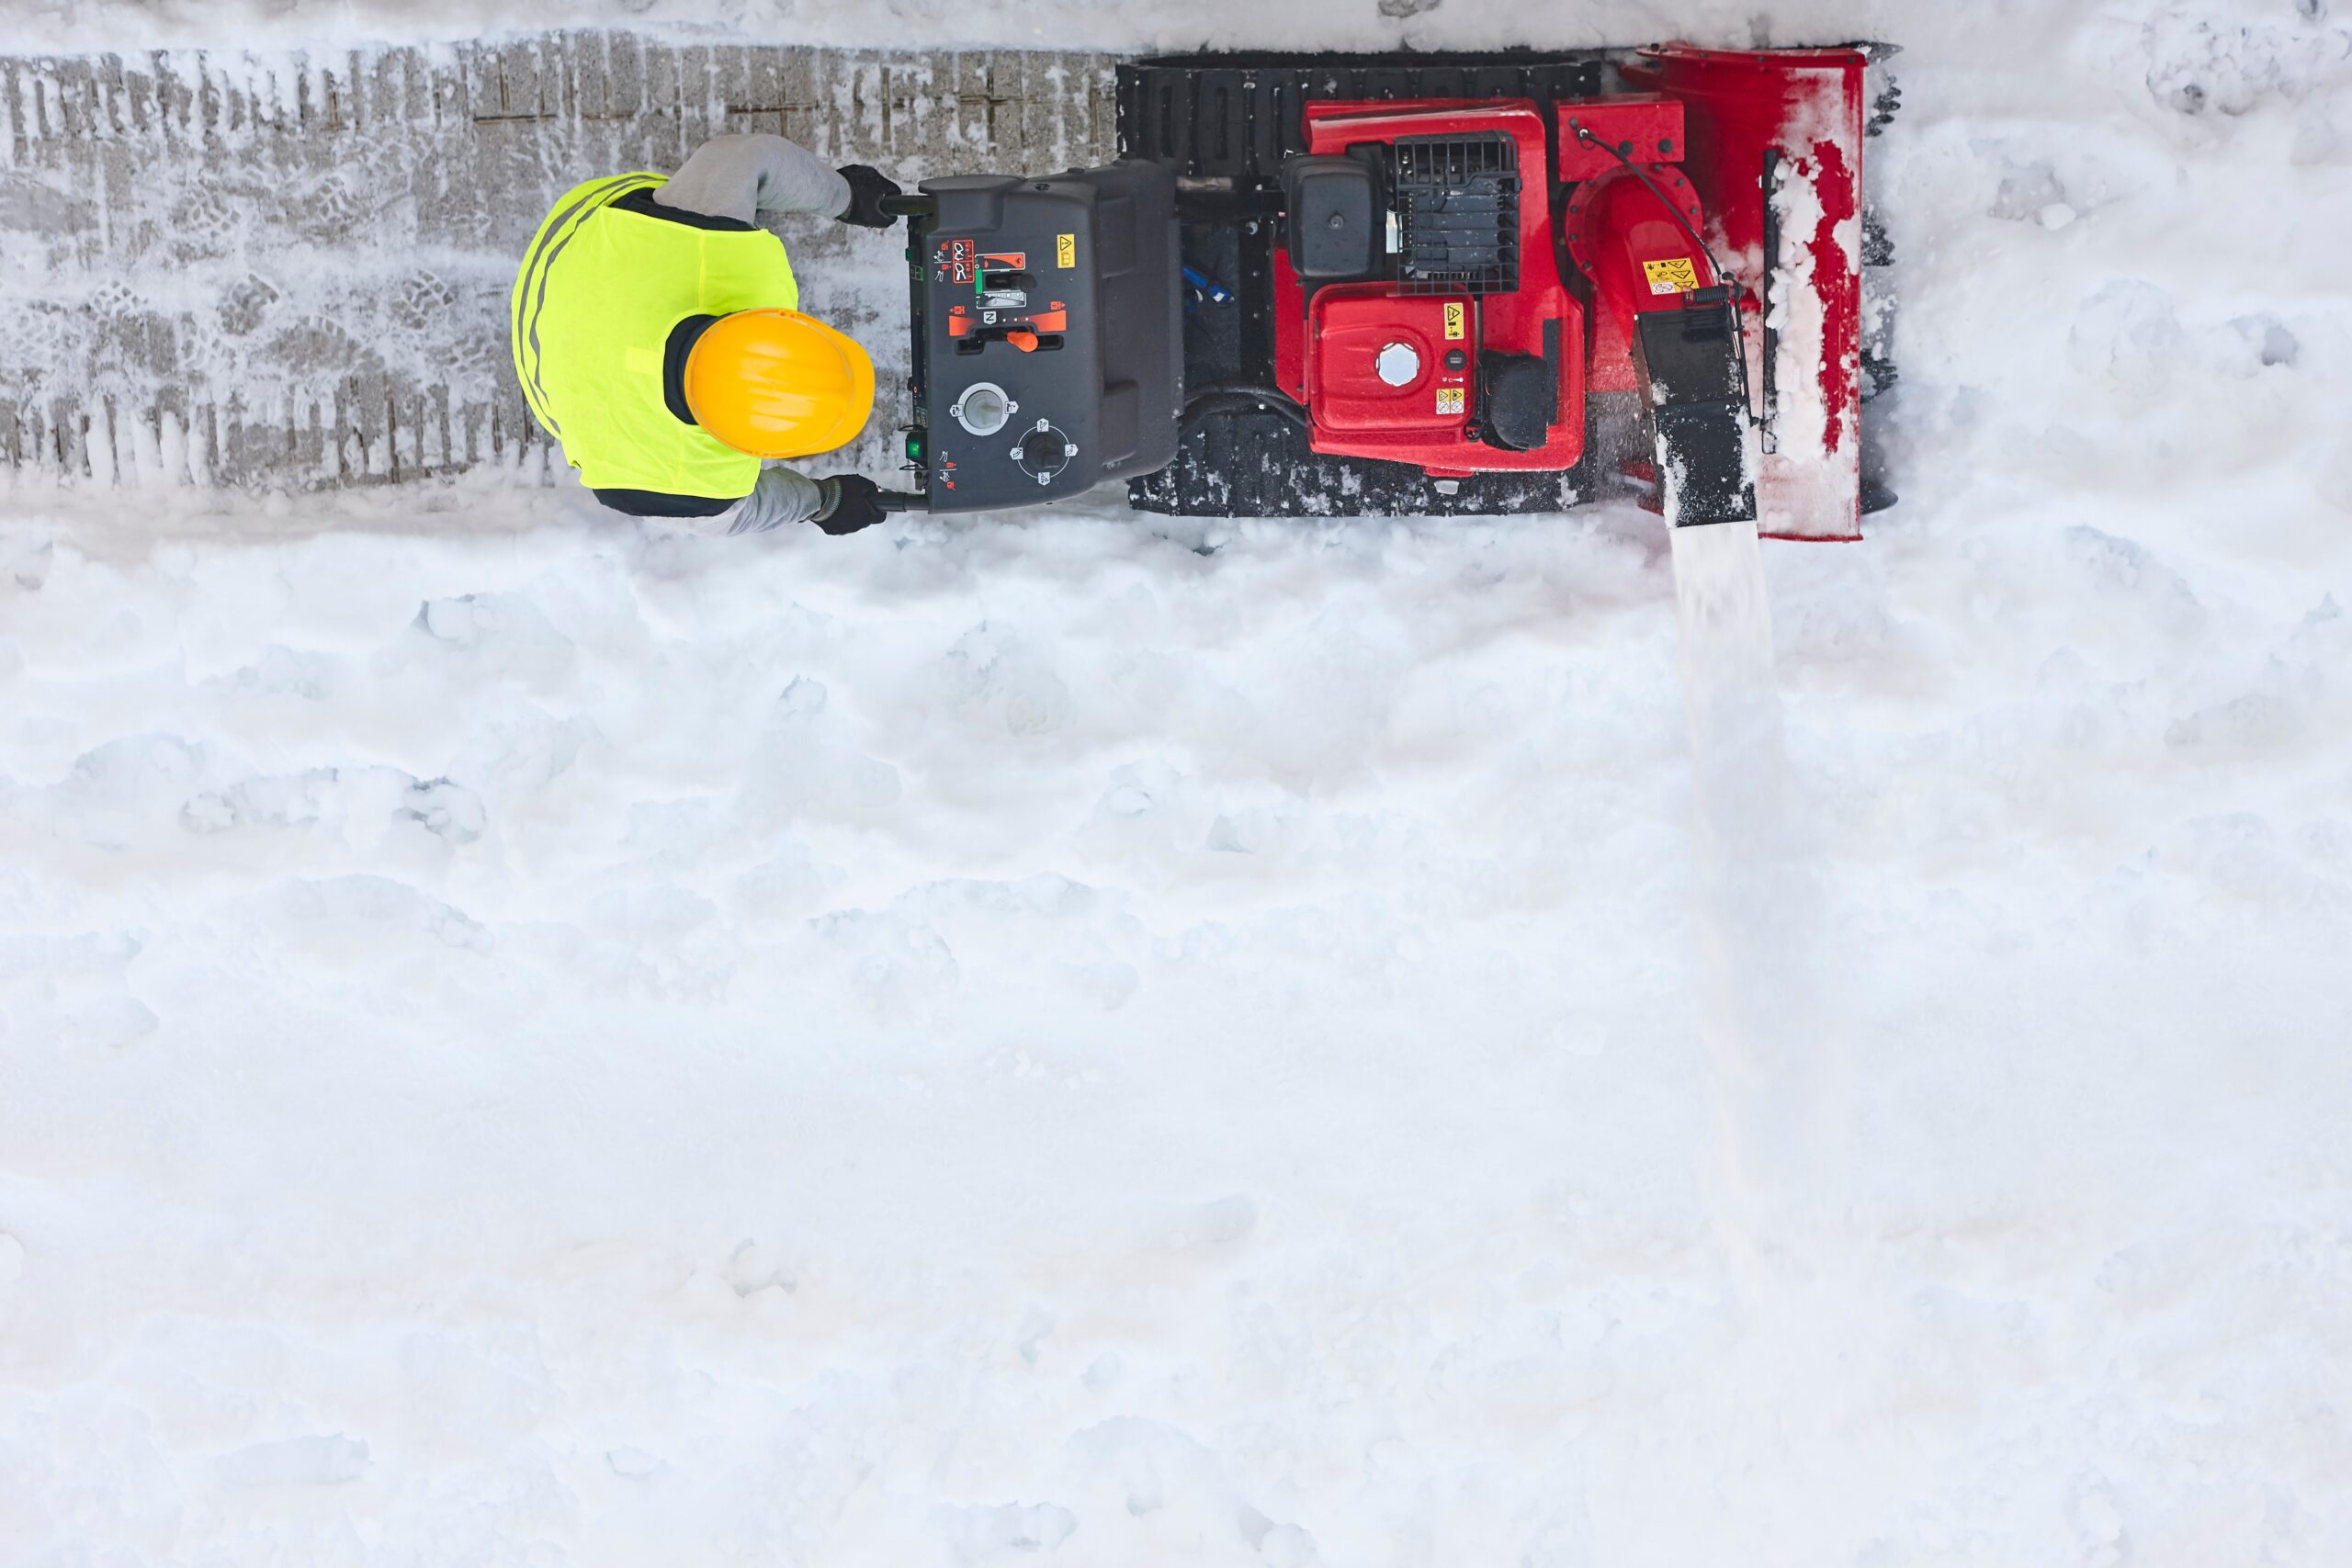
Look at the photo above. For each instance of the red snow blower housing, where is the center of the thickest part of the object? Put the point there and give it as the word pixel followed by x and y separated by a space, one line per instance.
pixel 1427 283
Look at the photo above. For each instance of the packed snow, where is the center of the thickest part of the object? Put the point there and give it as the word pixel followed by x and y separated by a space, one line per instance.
pixel 525 1039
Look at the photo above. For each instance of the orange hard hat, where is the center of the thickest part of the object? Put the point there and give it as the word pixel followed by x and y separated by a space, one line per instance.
pixel 778 384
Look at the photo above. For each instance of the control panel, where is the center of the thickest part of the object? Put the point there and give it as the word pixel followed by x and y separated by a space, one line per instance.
pixel 1048 315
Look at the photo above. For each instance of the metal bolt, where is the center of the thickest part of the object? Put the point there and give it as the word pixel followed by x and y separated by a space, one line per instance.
pixel 1337 221
pixel 1665 143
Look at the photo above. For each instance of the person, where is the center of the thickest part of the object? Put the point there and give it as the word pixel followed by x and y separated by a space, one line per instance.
pixel 657 333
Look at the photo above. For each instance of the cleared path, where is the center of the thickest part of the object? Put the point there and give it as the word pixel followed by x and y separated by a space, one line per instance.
pixel 230 269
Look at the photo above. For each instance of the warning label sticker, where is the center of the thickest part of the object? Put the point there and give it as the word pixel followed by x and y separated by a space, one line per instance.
pixel 1065 249
pixel 1678 275
pixel 1452 319
pixel 1448 399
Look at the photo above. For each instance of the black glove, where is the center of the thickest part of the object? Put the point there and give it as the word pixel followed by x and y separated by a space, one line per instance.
pixel 866 188
pixel 850 504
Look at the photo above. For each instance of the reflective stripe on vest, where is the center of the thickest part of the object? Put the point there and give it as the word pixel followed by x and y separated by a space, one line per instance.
pixel 591 312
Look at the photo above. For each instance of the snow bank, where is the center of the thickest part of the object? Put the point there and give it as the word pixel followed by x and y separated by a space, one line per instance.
pixel 526 1039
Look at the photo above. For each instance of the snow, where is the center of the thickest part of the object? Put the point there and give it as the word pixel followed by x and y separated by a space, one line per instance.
pixel 1065 1036
pixel 1808 479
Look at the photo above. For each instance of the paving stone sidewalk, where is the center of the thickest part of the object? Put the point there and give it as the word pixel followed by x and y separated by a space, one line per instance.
pixel 290 271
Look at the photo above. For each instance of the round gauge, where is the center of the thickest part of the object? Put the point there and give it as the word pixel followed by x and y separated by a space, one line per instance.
pixel 983 409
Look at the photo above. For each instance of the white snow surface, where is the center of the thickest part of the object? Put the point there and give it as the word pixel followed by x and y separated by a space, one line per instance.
pixel 528 1040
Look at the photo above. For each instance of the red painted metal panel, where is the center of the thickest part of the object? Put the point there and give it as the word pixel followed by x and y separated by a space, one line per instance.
pixel 1510 323
pixel 1644 127
pixel 1798 112
pixel 1353 325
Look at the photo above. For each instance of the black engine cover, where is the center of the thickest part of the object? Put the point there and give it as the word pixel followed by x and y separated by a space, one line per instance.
pixel 1335 216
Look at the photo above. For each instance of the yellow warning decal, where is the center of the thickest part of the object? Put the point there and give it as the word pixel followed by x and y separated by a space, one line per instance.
pixel 1678 275
pixel 1452 319
pixel 1448 399
pixel 1065 249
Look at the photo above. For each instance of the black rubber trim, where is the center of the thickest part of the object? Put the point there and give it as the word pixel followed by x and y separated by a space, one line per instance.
pixel 682 338
pixel 643 201
pixel 1552 365
pixel 654 503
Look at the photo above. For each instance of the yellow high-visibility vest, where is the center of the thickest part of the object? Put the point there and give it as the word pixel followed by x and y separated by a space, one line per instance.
pixel 591 312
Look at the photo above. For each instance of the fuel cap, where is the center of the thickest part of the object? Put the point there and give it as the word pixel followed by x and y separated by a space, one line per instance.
pixel 1398 363
pixel 984 409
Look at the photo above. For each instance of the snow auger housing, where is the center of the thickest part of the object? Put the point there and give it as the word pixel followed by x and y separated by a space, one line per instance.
pixel 1425 284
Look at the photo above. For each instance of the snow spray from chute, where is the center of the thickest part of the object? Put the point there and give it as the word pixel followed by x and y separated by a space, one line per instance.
pixel 1777 1053
pixel 1777 1048
pixel 1777 1057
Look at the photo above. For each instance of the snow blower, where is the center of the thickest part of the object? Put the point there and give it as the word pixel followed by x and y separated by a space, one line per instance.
pixel 1421 284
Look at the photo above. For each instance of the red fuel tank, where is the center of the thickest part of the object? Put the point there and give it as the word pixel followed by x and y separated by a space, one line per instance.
pixel 1380 365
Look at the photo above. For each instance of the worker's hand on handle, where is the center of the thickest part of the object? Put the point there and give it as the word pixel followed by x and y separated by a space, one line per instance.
pixel 851 503
pixel 867 186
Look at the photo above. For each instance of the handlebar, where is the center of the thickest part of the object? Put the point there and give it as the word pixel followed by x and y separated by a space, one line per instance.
pixel 910 205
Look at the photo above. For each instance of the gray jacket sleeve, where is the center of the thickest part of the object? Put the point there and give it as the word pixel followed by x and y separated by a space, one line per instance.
pixel 781 498
pixel 743 176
